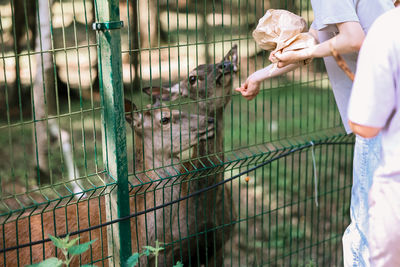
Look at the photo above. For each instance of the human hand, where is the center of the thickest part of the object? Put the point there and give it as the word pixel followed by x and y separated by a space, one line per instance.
pixel 250 88
pixel 289 57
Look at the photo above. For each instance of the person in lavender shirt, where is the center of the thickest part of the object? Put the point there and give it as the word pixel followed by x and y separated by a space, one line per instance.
pixel 375 107
pixel 342 24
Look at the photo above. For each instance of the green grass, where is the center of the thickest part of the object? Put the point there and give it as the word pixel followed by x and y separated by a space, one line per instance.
pixel 279 113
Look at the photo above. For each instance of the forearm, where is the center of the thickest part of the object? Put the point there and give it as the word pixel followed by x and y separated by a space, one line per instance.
pixel 250 88
pixel 339 43
pixel 349 40
pixel 272 71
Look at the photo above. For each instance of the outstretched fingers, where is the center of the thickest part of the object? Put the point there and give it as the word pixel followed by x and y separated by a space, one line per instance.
pixel 246 91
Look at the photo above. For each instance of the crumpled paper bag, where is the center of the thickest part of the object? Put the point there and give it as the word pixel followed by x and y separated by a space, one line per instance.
pixel 281 30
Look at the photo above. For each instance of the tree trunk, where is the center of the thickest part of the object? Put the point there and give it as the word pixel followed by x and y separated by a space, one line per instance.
pixel 43 92
pixel 134 42
pixel 24 12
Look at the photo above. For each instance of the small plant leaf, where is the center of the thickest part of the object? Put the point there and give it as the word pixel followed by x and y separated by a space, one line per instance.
pixel 178 264
pixel 146 252
pixel 79 249
pixel 133 260
pixel 71 243
pixel 66 238
pixel 58 242
pixel 150 248
pixel 50 262
pixel 154 249
pixel 89 265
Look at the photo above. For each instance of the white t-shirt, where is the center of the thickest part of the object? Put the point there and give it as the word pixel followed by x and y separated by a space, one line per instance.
pixel 375 100
pixel 327 13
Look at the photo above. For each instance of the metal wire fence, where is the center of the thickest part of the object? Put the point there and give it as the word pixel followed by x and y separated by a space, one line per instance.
pixel 183 160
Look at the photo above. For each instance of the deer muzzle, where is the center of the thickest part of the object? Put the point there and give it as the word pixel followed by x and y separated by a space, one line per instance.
pixel 209 131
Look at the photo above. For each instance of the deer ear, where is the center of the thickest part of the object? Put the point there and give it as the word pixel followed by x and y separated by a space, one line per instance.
pixel 130 114
pixel 232 56
pixel 157 93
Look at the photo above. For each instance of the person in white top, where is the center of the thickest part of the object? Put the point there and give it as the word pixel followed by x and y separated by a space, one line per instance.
pixel 343 25
pixel 375 107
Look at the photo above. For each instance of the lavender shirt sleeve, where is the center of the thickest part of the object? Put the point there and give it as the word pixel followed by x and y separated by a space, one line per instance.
pixel 331 12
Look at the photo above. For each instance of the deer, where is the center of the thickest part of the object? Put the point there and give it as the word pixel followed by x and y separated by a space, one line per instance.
pixel 210 85
pixel 161 134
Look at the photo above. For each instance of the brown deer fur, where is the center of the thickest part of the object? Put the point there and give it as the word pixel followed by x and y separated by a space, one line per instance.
pixel 210 86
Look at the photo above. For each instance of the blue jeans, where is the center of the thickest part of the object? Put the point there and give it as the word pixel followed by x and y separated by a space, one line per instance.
pixel 366 160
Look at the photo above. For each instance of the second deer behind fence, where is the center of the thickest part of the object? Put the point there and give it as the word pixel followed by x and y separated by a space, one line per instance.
pixel 210 85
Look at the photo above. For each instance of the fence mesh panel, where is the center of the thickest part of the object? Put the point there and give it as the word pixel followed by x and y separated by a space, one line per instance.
pixel 211 177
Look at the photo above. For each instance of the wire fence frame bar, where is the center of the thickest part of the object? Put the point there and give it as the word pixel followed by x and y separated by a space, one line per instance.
pixel 113 129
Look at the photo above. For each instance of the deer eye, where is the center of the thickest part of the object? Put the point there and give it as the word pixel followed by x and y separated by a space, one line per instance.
pixel 192 79
pixel 165 120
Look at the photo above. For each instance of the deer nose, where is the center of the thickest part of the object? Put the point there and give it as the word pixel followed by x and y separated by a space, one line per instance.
pixel 210 120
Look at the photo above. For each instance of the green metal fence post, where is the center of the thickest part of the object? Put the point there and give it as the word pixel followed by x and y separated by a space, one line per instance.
pixel 113 130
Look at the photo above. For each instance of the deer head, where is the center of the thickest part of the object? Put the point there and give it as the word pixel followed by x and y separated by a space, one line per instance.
pixel 166 133
pixel 207 81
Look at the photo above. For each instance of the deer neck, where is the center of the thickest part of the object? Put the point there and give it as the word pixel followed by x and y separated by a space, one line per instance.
pixel 138 147
pixel 218 115
pixel 146 159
